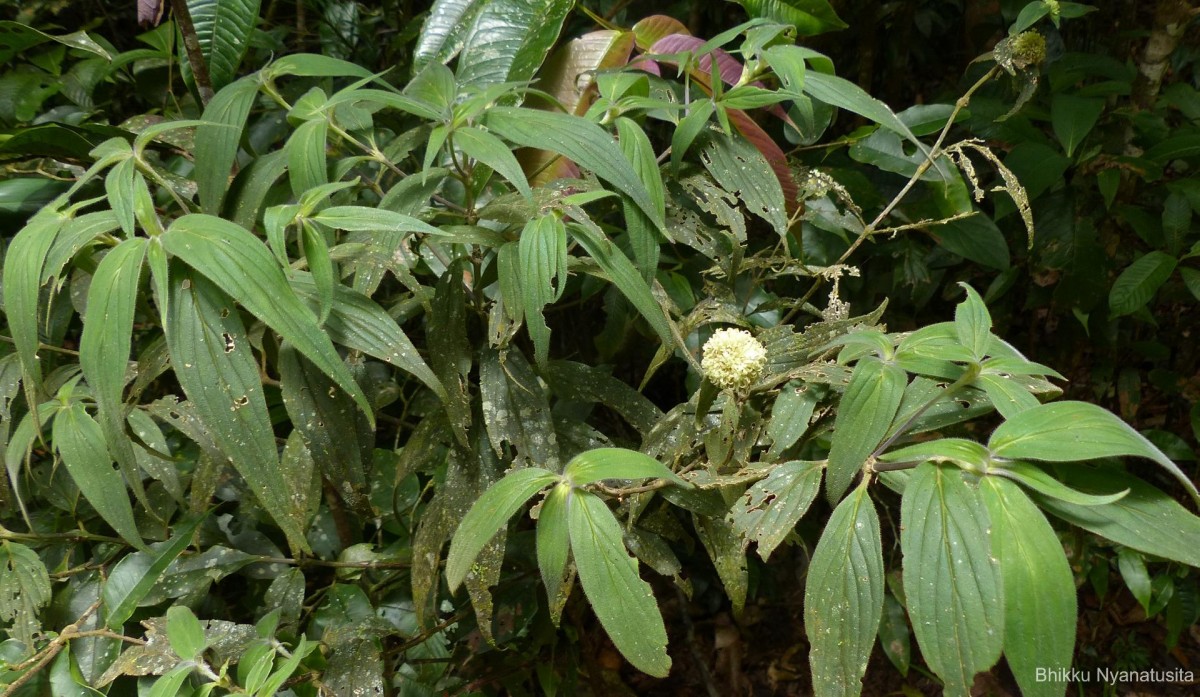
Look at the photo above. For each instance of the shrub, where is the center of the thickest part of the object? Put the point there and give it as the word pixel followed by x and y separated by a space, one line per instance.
pixel 372 317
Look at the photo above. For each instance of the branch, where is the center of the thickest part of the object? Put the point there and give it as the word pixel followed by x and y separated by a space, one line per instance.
pixel 191 44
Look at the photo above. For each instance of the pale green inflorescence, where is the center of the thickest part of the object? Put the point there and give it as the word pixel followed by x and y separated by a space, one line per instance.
pixel 733 359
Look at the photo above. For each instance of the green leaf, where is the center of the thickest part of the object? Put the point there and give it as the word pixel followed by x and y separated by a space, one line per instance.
pixel 18 38
pixel 184 632
pixel 689 128
pixel 1191 279
pixel 316 257
pixel 964 453
pixel 581 382
pixel 507 40
pixel 1074 431
pixel 1137 578
pixel 1145 519
pixel 863 416
pixel 742 170
pixel 553 541
pixel 118 187
pixel 810 17
pixel 105 344
pixel 578 139
pixel 1138 283
pixel 1029 16
pixel 615 463
pixel 973 323
pixel 239 263
pixel 442 35
pixel 489 514
pixel 357 322
pixel 728 554
pixel 1073 118
pixel 1008 396
pixel 542 253
pixel 312 65
pixel 225 119
pixel 491 151
pixel 223 28
pixel 844 94
pixel 1039 588
pixel 308 165
pixel 623 273
pixel 515 408
pixel 450 350
pixel 623 602
pixel 640 152
pixel 790 415
pixel 23 263
pixel 80 442
pixel 331 428
pixel 976 238
pixel 211 356
pixel 133 577
pixel 371 220
pixel 843 596
pixel 1035 478
pixel 24 591
pixel 954 588
pixel 770 509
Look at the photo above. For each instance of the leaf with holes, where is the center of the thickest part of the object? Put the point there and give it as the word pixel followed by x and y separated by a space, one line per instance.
pixel 770 509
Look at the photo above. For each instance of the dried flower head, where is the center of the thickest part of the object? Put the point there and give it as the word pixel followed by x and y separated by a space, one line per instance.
pixel 733 359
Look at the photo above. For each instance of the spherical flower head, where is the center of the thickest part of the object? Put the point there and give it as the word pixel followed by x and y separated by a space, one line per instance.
pixel 1028 48
pixel 733 359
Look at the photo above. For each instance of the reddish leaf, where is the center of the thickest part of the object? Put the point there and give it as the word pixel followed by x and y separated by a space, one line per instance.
pixel 655 27
pixel 150 11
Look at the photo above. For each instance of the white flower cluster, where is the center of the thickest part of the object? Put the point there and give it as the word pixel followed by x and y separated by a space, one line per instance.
pixel 733 359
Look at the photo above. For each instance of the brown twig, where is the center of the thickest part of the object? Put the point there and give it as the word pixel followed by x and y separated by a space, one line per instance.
pixel 191 45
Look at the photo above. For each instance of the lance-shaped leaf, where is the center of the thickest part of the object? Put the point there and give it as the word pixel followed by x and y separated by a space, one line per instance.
pixel 358 322
pixel 844 94
pixel 211 356
pixel 542 255
pixel 615 463
pixel 23 263
pixel 105 344
pixel 1074 431
pixel 488 515
pixel 579 381
pixel 1146 518
pixel 133 577
pixel 515 408
pixel 953 584
pixel 240 264
pixel 1039 588
pixel 728 555
pixel 372 220
pixel 1138 283
pixel 862 420
pixel 623 274
pixel 622 601
pixel 973 323
pixel 1036 479
pixel 332 429
pixel 553 541
pixel 80 442
pixel 843 597
pixel 480 145
pixel 809 17
pixel 225 118
pixel 770 509
pixel 578 139
pixel 741 169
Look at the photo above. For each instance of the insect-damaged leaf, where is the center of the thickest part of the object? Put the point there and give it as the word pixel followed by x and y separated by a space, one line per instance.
pixel 769 510
pixel 240 264
pixel 211 356
pixel 333 430
pixel 515 408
